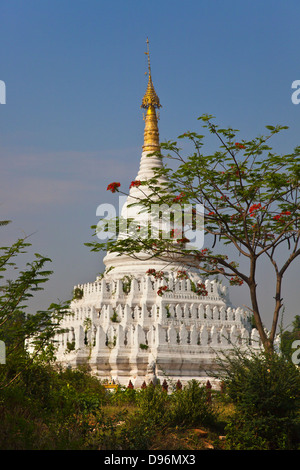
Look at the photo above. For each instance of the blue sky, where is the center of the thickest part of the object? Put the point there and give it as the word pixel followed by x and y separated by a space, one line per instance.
pixel 75 76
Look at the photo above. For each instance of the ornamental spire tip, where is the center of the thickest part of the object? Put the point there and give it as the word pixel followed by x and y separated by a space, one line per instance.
pixel 150 97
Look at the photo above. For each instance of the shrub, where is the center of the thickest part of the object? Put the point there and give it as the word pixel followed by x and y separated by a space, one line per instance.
pixel 36 382
pixel 265 389
pixel 136 434
pixel 153 404
pixel 245 432
pixel 123 396
pixel 189 406
pixel 51 409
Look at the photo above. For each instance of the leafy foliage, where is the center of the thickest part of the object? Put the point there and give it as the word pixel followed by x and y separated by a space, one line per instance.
pixel 265 389
pixel 190 406
pixel 250 196
pixel 152 403
pixel 49 408
pixel 18 328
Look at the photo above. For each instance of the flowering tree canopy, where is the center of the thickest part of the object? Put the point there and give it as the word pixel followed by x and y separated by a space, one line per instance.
pixel 250 199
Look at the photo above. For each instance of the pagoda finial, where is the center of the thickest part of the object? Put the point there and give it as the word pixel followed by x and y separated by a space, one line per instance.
pixel 150 97
pixel 150 103
pixel 148 54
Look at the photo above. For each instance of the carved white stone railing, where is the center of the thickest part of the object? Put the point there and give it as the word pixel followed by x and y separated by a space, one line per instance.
pixel 147 286
pixel 124 312
pixel 131 336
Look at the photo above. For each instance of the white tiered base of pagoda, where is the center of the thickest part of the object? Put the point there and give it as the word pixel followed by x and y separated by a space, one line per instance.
pixel 141 336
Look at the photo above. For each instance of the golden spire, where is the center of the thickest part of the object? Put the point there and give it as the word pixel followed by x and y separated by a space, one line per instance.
pixel 150 97
pixel 150 102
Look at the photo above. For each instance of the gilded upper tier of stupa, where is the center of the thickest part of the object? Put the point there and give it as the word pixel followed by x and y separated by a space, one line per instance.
pixel 150 102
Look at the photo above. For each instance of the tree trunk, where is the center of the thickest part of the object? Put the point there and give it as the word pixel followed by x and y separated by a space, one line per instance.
pixel 278 306
pixel 267 343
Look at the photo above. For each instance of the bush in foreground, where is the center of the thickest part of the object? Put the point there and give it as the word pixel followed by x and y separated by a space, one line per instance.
pixel 265 389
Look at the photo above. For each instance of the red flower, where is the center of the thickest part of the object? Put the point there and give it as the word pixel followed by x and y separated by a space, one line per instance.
pixel 175 233
pixel 240 146
pixel 236 281
pixel 161 290
pixel 201 289
pixel 156 274
pixel 151 272
pixel 279 216
pixel 182 240
pixel 254 208
pixel 159 275
pixel 182 275
pixel 178 198
pixel 135 183
pixel 203 252
pixel 113 187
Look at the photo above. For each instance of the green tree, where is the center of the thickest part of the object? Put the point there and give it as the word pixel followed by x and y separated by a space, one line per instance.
pixel 17 327
pixel 250 199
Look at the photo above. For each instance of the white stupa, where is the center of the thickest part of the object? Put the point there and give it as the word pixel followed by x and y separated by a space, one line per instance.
pixel 125 331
